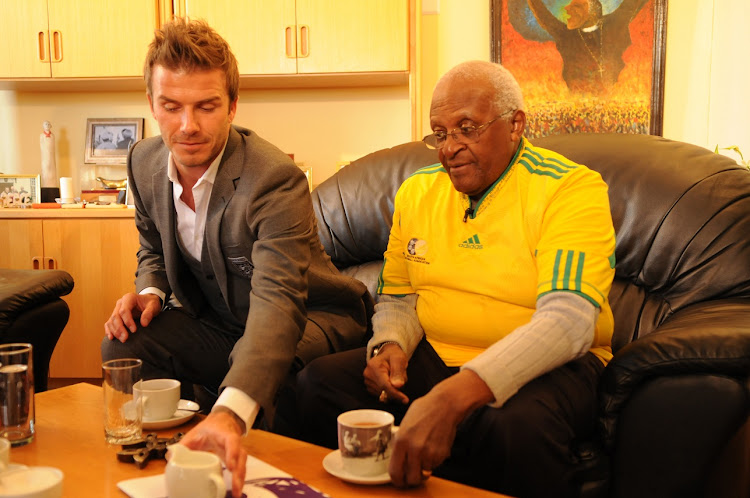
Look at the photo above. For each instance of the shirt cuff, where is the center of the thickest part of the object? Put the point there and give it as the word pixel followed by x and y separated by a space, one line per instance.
pixel 154 290
pixel 241 404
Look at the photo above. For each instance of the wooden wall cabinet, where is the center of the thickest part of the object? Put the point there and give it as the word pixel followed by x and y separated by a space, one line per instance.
pixel 100 254
pixel 85 38
pixel 309 36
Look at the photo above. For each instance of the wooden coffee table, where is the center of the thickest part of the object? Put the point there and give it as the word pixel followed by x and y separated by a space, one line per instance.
pixel 70 436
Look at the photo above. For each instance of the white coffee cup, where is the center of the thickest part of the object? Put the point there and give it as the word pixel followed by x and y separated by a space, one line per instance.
pixel 4 453
pixel 365 441
pixel 191 474
pixel 31 482
pixel 159 398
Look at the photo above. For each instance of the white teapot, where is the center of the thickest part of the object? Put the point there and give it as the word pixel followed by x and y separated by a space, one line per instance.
pixel 193 474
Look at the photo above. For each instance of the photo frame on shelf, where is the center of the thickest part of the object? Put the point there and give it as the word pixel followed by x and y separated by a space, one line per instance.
pixel 579 77
pixel 108 140
pixel 19 190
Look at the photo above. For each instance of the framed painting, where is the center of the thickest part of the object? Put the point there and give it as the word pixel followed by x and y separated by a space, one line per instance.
pixel 108 141
pixel 18 191
pixel 585 66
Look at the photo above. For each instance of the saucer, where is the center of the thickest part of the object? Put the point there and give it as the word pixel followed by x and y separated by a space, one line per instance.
pixel 334 466
pixel 186 409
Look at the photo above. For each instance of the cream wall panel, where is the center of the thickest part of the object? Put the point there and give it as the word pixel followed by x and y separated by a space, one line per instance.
pixel 688 70
pixel 320 126
pixel 729 115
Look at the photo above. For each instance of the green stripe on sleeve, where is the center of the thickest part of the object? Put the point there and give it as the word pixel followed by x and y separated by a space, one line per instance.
pixel 568 266
pixel 556 269
pixel 579 271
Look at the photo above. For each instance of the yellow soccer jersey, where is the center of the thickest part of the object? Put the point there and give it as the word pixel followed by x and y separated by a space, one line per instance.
pixel 544 226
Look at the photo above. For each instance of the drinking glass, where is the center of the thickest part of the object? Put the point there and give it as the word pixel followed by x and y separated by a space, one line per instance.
pixel 122 412
pixel 16 393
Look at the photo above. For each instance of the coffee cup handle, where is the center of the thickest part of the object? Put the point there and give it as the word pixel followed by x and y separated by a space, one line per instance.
pixel 218 483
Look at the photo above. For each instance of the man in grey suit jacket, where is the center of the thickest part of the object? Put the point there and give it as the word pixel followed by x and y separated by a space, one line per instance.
pixel 233 287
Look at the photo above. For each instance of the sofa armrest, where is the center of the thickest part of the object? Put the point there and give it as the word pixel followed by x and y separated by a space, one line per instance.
pixel 21 290
pixel 707 338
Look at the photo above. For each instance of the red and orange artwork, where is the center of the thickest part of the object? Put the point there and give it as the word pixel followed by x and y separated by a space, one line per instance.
pixel 585 66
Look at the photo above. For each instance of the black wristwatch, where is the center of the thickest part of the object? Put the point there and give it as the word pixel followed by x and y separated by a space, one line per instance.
pixel 377 349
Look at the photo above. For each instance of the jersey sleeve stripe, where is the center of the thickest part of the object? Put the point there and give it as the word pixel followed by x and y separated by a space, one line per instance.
pixel 579 270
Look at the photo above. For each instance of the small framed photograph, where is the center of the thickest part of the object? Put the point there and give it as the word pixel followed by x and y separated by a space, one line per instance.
pixel 19 190
pixel 109 140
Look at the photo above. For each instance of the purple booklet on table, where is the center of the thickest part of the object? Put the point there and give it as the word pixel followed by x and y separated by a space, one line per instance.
pixel 260 480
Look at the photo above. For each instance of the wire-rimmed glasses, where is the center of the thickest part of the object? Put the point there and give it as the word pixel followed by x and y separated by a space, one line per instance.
pixel 468 134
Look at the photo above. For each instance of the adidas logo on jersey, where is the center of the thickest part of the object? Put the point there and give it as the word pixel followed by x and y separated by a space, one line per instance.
pixel 471 243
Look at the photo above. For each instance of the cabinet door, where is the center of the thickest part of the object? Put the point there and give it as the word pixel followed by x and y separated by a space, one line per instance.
pixel 344 36
pixel 260 32
pixel 100 254
pixel 21 244
pixel 100 38
pixel 25 47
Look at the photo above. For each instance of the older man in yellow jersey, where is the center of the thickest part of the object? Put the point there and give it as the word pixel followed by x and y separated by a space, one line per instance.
pixel 493 325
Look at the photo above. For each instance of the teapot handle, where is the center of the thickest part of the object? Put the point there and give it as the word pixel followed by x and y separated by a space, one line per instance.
pixel 218 482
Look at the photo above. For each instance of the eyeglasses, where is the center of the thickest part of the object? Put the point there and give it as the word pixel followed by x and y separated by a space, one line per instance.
pixel 463 135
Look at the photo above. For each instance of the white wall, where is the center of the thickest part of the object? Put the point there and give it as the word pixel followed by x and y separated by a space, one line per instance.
pixel 706 98
pixel 707 101
pixel 322 127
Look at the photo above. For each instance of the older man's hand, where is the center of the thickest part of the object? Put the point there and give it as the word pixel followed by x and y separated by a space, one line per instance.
pixel 426 433
pixel 385 374
pixel 221 433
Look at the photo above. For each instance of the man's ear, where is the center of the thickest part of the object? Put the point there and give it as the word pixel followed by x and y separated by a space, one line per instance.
pixel 517 125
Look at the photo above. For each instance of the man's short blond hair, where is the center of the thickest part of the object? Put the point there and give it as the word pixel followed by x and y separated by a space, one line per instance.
pixel 187 45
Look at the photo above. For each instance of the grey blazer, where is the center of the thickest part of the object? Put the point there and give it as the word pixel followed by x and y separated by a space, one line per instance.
pixel 264 252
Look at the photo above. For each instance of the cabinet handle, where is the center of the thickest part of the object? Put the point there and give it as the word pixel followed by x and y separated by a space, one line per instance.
pixel 289 42
pixel 35 264
pixel 50 264
pixel 304 41
pixel 57 48
pixel 42 46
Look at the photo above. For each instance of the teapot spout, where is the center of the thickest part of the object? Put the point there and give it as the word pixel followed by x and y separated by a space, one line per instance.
pixel 176 453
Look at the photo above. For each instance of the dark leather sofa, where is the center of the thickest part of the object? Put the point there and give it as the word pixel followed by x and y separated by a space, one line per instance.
pixel 675 400
pixel 32 311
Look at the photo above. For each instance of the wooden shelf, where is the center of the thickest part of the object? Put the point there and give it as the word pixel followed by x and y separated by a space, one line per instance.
pixel 270 81
pixel 31 214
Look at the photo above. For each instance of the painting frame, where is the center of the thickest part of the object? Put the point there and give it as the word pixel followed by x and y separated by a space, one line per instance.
pixel 30 184
pixel 108 140
pixel 658 54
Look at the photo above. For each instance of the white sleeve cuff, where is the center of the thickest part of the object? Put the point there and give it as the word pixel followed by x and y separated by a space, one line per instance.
pixel 241 404
pixel 154 290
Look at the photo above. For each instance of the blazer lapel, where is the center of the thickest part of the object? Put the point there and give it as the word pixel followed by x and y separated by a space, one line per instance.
pixel 164 213
pixel 225 184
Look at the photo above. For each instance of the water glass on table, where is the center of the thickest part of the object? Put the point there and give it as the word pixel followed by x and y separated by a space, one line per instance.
pixel 122 412
pixel 16 393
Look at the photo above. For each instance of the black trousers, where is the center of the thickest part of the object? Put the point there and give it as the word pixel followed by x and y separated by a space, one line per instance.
pixel 196 351
pixel 526 448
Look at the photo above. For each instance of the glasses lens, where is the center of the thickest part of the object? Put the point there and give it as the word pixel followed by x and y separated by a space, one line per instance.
pixel 467 135
pixel 430 140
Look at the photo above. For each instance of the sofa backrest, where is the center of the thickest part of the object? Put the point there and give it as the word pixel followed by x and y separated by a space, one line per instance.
pixel 681 214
